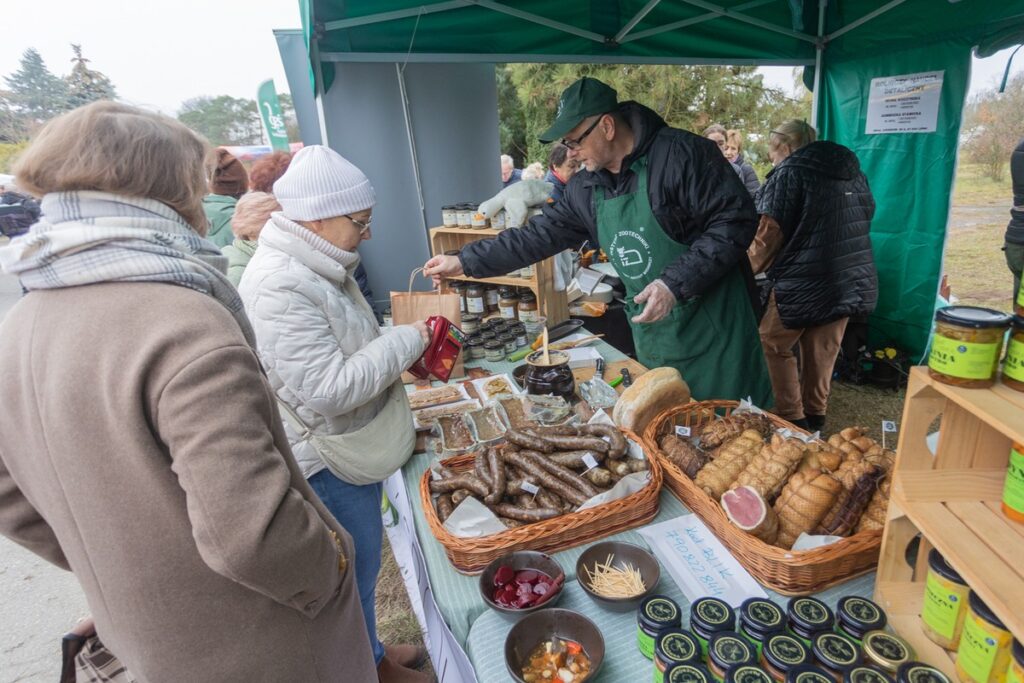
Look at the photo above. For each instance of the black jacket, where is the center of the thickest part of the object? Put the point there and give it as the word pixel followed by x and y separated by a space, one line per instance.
pixel 825 269
pixel 694 192
pixel 18 213
pixel 1015 229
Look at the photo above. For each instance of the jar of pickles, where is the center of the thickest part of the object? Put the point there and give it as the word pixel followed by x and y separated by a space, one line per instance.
pixel 966 346
pixel 759 618
pixel 1013 487
pixel 709 616
pixel 984 652
pixel 855 616
pixel 688 673
pixel 945 603
pixel 781 653
pixel 1013 364
pixel 808 617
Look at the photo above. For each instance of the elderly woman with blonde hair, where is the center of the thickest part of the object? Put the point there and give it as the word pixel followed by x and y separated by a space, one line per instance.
pixel 251 213
pixel 140 443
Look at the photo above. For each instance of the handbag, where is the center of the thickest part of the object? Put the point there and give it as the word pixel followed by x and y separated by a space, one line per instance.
pixel 371 453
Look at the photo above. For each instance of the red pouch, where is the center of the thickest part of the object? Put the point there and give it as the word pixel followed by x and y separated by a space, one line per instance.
pixel 445 345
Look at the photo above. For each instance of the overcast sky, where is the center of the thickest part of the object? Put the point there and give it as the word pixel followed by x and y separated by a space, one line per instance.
pixel 160 53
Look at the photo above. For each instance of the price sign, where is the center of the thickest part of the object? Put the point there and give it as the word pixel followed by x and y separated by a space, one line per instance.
pixel 532 489
pixel 683 431
pixel 590 461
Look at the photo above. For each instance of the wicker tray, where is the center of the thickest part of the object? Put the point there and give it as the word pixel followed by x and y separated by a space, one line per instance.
pixel 471 555
pixel 789 572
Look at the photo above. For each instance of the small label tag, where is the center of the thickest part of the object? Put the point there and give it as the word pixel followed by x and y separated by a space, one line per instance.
pixel 532 489
pixel 888 426
pixel 682 431
pixel 590 461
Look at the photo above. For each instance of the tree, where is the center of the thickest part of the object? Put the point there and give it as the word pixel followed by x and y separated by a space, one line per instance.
pixel 223 120
pixel 291 122
pixel 34 95
pixel 993 126
pixel 84 84
pixel 511 119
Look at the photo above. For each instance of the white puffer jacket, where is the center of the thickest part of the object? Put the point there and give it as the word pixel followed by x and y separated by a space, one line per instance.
pixel 317 337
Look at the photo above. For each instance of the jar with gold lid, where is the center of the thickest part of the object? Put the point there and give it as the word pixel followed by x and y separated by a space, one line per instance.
pixel 966 346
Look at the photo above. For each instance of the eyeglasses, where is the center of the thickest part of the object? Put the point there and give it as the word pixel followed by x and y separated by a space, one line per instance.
pixel 363 227
pixel 575 144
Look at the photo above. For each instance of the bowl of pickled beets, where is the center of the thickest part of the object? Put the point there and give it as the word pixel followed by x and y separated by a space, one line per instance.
pixel 522 582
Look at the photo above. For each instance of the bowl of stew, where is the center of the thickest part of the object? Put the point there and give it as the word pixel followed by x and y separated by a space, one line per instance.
pixel 563 643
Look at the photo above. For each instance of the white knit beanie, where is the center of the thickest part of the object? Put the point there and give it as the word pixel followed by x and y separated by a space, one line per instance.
pixel 320 183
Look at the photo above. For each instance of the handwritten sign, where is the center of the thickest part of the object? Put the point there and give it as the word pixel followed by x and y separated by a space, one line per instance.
pixel 908 103
pixel 698 562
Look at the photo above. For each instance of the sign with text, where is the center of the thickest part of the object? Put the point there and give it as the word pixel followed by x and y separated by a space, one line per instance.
pixel 904 104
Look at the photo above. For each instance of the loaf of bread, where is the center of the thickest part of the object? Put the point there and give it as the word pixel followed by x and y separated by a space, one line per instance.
pixel 651 393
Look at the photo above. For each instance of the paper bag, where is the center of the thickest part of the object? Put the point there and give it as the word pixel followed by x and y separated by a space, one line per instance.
pixel 408 307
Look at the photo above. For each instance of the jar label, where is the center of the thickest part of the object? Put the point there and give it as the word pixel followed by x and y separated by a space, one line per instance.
pixel 787 649
pixel 941 606
pixel 661 610
pixel 507 312
pixel 766 613
pixel 811 610
pixel 862 610
pixel 679 647
pixel 1020 294
pixel 730 650
pixel 961 359
pixel 645 643
pixel 1013 489
pixel 1013 367
pixel 713 612
pixel 838 650
pixel 1015 674
pixel 750 674
pixel 475 305
pixel 978 650
pixel 528 316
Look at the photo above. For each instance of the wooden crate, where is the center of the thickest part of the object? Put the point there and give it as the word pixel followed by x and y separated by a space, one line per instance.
pixel 952 499
pixel 552 304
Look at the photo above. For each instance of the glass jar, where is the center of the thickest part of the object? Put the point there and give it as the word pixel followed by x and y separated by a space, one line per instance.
pixel 1015 672
pixel 487 335
pixel 781 652
pixel 465 215
pixel 471 324
pixel 747 673
pixel 476 299
pixel 919 672
pixel 886 650
pixel 759 618
pixel 519 330
pixel 479 221
pixel 491 294
pixel 945 603
pixel 709 616
pixel 1013 487
pixel 808 674
pixel 727 649
pixel 866 673
pixel 476 348
pixel 509 341
pixel 528 309
pixel 674 646
pixel 808 617
pixel 450 216
pixel 1013 364
pixel 526 272
pixel 494 351
pixel 688 673
pixel 984 652
pixel 655 614
pixel 508 303
pixel 1018 304
pixel 389 319
pixel 855 616
pixel 460 289
pixel 498 220
pixel 966 346
pixel 835 653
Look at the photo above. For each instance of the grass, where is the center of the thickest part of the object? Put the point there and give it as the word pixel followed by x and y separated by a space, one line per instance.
pixel 974 188
pixel 396 622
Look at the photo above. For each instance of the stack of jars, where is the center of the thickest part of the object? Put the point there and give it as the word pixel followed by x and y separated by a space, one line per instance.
pixel 468 216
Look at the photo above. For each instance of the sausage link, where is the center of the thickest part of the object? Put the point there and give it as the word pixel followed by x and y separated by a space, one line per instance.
pixel 531 441
pixel 461 481
pixel 617 439
pixel 532 467
pixel 572 443
pixel 497 467
pixel 459 496
pixel 524 515
pixel 445 507
pixel 482 468
pixel 566 475
pixel 574 459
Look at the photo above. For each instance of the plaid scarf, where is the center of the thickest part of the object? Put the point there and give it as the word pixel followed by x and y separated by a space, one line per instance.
pixel 90 237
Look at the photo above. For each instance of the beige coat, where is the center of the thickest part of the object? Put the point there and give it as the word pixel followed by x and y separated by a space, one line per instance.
pixel 140 447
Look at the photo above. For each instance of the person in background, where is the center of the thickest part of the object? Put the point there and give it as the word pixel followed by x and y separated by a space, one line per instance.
pixel 534 171
pixel 18 211
pixel 227 181
pixel 716 133
pixel 328 361
pixel 251 214
pixel 814 242
pixel 560 169
pixel 509 173
pixel 1014 241
pixel 140 444
pixel 734 153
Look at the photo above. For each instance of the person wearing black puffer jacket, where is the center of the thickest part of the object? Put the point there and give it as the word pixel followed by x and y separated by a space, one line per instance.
pixel 1014 246
pixel 814 243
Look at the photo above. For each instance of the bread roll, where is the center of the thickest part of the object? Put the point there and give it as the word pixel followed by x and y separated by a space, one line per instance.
pixel 654 391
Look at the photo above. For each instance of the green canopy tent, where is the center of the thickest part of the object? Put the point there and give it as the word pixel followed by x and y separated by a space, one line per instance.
pixel 846 44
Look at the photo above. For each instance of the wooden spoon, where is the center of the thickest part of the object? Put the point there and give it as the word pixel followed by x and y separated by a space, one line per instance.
pixel 547 355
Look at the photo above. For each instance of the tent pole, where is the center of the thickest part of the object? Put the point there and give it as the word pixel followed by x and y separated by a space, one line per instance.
pixel 690 22
pixel 400 72
pixel 819 50
pixel 371 19
pixel 733 14
pixel 318 74
pixel 637 18
pixel 543 21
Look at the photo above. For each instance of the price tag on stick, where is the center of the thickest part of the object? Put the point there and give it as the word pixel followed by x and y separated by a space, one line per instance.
pixel 532 489
pixel 590 461
pixel 682 431
pixel 888 427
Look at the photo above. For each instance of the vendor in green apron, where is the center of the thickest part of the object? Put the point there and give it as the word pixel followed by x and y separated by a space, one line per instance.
pixel 674 220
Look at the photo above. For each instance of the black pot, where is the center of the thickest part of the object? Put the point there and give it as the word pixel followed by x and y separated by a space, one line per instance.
pixel 553 378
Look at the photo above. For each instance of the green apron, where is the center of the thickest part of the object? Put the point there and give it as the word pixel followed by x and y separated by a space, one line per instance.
pixel 713 339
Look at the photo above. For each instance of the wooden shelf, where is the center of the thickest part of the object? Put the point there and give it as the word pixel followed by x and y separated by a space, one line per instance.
pixel 952 500
pixel 478 232
pixel 512 281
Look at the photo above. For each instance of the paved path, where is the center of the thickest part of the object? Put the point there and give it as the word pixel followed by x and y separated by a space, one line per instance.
pixel 38 602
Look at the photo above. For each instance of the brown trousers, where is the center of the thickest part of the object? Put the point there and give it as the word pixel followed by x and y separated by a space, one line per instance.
pixel 803 389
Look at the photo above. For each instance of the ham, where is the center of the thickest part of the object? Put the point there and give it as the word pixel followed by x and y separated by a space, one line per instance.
pixel 745 508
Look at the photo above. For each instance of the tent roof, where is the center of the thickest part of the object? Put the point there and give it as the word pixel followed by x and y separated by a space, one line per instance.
pixel 654 31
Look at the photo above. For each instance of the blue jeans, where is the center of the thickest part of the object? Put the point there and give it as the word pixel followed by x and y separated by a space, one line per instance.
pixel 357 508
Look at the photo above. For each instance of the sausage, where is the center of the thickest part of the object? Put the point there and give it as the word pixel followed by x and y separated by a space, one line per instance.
pixel 482 468
pixel 459 496
pixel 535 469
pixel 509 523
pixel 497 467
pixel 619 467
pixel 460 481
pixel 637 465
pixel 444 472
pixel 526 501
pixel 618 444
pixel 530 441
pixel 571 443
pixel 574 459
pixel 599 476
pixel 547 499
pixel 445 507
pixel 524 515
pixel 566 475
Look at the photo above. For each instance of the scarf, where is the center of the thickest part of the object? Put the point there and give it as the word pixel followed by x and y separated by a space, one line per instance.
pixel 89 237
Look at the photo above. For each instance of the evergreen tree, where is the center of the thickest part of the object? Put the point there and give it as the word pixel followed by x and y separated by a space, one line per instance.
pixel 35 95
pixel 84 84
pixel 223 120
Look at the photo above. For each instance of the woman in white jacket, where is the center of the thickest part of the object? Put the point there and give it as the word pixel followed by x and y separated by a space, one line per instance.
pixel 333 369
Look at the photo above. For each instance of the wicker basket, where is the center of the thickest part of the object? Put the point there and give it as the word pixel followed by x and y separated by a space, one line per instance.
pixel 789 572
pixel 472 555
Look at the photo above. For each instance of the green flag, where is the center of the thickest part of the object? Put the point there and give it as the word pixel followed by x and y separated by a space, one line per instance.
pixel 270 112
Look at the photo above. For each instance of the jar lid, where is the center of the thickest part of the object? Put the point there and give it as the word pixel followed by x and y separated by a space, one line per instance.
pixel 810 614
pixel 470 318
pixel 658 612
pixel 761 616
pixel 475 340
pixel 688 673
pixel 783 651
pixel 860 614
pixel 527 297
pixel 866 673
pixel 983 611
pixel 506 337
pixel 747 673
pixel 919 672
pixel 887 650
pixel 938 564
pixel 676 645
pixel 834 651
pixel 711 615
pixel 808 673
pixel 493 344
pixel 972 316
pixel 508 291
pixel 728 648
pixel 487 335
